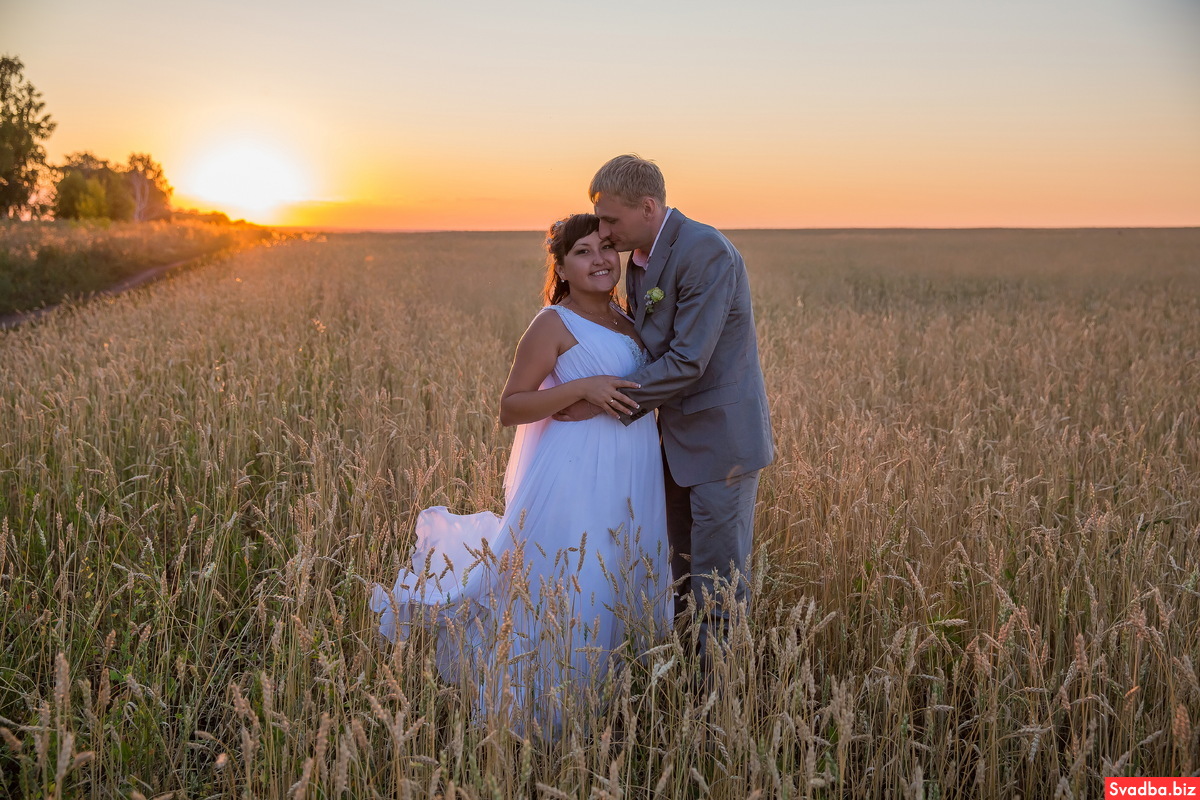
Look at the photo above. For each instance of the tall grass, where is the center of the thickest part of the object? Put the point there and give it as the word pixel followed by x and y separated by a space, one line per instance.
pixel 978 551
pixel 43 263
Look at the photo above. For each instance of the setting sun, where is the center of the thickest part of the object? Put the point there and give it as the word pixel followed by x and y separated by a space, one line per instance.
pixel 245 178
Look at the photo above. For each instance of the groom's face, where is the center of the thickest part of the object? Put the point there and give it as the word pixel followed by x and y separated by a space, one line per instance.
pixel 625 227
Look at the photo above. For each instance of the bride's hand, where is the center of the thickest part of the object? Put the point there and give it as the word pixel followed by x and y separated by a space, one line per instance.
pixel 604 392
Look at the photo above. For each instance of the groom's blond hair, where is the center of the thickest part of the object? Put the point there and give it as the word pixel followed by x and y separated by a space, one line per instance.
pixel 629 178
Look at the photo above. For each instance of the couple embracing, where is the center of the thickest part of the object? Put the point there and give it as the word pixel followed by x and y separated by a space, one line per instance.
pixel 631 486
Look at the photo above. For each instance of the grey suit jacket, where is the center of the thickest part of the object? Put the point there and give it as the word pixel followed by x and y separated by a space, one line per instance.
pixel 704 377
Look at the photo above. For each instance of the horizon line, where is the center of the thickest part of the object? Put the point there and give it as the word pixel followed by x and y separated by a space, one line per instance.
pixel 838 229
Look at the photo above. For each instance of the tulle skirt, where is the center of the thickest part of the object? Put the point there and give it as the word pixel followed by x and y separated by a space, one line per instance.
pixel 529 612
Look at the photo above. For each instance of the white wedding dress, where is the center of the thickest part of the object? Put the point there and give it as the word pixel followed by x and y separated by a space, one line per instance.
pixel 528 609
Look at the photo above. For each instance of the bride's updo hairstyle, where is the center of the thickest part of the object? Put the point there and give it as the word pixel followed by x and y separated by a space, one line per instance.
pixel 561 237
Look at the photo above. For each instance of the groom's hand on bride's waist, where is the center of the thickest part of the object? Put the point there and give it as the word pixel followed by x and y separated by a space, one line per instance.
pixel 578 411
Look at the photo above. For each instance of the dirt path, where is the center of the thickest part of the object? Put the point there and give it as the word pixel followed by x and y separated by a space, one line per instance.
pixel 8 321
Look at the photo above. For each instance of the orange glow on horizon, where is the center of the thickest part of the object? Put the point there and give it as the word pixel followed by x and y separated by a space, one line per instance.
pixel 814 180
pixel 999 199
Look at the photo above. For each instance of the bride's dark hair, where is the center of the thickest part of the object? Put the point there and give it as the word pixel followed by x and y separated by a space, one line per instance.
pixel 560 238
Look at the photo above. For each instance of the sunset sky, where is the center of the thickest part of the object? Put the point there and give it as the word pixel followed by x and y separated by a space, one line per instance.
pixel 484 115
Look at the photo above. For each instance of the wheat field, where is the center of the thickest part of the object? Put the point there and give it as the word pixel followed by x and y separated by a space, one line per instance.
pixel 977 561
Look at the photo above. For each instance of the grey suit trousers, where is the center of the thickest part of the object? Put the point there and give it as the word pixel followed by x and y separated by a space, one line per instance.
pixel 710 529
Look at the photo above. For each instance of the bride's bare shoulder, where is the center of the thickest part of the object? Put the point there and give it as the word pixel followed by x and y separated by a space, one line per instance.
pixel 547 328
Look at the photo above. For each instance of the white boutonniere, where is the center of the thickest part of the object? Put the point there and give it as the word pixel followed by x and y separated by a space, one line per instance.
pixel 653 297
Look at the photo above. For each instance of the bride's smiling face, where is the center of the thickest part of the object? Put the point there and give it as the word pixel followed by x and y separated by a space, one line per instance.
pixel 591 265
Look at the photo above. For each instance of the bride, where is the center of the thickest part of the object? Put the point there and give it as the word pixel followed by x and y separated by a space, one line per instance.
pixel 529 609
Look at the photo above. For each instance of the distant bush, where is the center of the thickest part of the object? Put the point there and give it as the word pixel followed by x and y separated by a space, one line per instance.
pixel 210 217
pixel 42 263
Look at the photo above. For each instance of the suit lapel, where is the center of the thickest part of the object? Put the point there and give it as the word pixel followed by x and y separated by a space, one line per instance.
pixel 658 259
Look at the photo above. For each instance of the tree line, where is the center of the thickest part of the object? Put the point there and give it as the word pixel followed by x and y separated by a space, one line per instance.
pixel 84 186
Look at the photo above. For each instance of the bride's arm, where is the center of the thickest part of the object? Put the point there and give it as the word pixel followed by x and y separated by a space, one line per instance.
pixel 522 401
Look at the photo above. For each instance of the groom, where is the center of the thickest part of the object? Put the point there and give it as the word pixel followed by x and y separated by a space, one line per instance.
pixel 688 291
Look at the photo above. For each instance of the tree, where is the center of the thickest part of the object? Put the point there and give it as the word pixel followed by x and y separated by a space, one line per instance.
pixel 151 192
pixel 23 127
pixel 88 180
pixel 85 162
pixel 138 191
pixel 80 197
